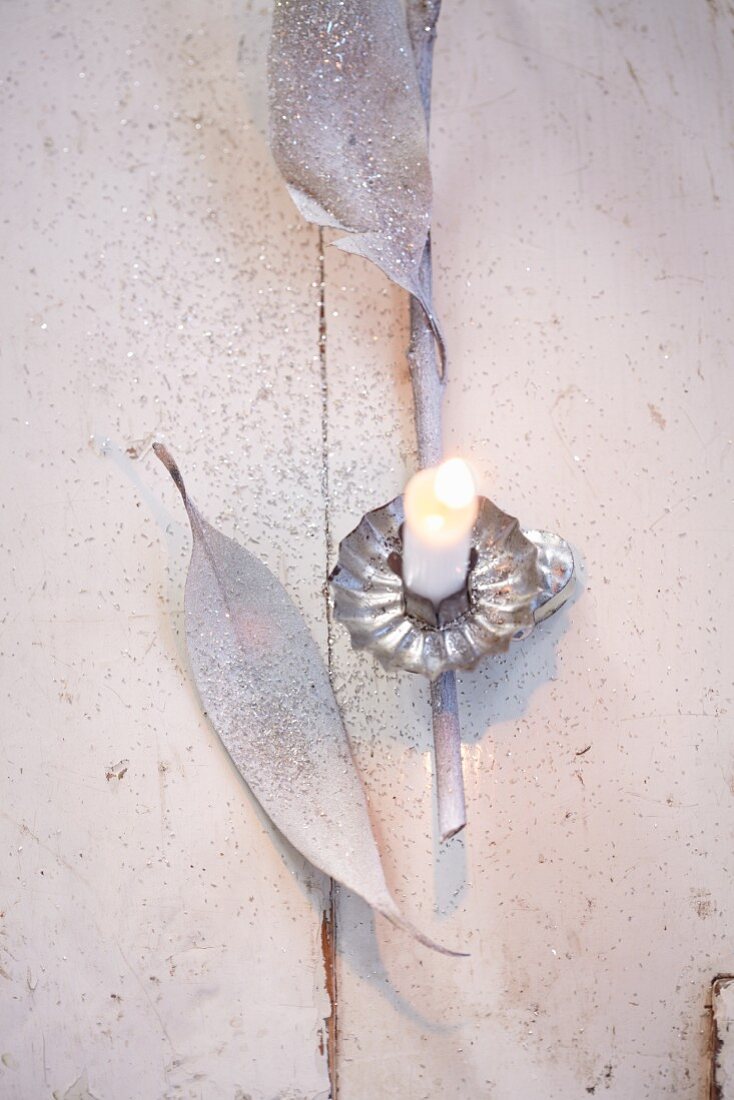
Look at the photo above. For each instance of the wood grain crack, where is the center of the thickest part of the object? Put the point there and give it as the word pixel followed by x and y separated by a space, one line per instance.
pixel 329 918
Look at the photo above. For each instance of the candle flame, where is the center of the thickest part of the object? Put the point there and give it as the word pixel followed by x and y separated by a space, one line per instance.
pixel 441 502
pixel 454 483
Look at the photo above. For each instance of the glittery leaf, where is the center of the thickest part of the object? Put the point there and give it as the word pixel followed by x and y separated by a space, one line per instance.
pixel 348 130
pixel 266 691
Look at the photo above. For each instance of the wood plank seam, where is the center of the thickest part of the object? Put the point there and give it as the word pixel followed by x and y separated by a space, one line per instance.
pixel 717 1080
pixel 329 918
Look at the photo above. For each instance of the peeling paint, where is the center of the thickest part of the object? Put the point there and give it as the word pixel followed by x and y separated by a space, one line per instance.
pixel 722 1038
pixel 79 1090
pixel 118 770
pixel 702 903
pixel 328 952
pixel 657 417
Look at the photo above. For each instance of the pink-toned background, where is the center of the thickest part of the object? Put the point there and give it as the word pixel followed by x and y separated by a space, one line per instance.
pixel 156 940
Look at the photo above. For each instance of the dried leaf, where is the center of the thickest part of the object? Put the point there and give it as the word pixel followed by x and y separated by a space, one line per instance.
pixel 267 693
pixel 348 130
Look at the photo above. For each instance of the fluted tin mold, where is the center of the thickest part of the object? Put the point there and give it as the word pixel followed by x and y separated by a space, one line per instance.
pixel 516 579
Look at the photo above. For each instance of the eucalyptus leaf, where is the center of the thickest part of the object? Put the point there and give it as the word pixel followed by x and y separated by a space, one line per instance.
pixel 266 691
pixel 348 130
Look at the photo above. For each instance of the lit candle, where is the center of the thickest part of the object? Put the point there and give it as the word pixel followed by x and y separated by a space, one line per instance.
pixel 440 510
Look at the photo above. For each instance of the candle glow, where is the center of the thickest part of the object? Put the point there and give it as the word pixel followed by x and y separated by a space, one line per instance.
pixel 440 509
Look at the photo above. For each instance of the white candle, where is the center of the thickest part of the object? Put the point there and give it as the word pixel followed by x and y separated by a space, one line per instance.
pixel 440 509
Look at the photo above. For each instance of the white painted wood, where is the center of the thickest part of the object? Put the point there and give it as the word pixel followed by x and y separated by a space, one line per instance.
pixel 155 939
pixel 583 269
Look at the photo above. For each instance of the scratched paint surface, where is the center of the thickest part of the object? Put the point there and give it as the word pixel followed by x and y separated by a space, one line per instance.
pixel 583 211
pixel 723 1018
pixel 154 935
pixel 155 939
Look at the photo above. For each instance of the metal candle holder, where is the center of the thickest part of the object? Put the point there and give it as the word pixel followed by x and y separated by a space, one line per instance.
pixel 516 578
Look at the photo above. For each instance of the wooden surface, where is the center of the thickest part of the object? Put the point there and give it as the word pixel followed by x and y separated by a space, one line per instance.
pixel 155 934
pixel 156 939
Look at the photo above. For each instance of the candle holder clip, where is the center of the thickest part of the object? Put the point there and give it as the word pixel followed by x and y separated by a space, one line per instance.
pixel 516 578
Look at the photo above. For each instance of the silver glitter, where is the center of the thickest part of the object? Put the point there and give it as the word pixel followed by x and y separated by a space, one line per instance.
pixel 348 130
pixel 266 691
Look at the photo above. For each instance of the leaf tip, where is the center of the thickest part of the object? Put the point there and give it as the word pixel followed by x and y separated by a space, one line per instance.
pixel 169 462
pixel 442 950
pixel 395 917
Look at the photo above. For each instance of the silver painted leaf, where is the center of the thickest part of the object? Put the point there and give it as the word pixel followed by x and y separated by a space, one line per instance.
pixel 266 691
pixel 348 130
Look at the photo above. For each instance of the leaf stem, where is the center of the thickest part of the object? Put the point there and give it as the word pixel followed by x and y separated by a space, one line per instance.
pixel 447 748
pixel 427 376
